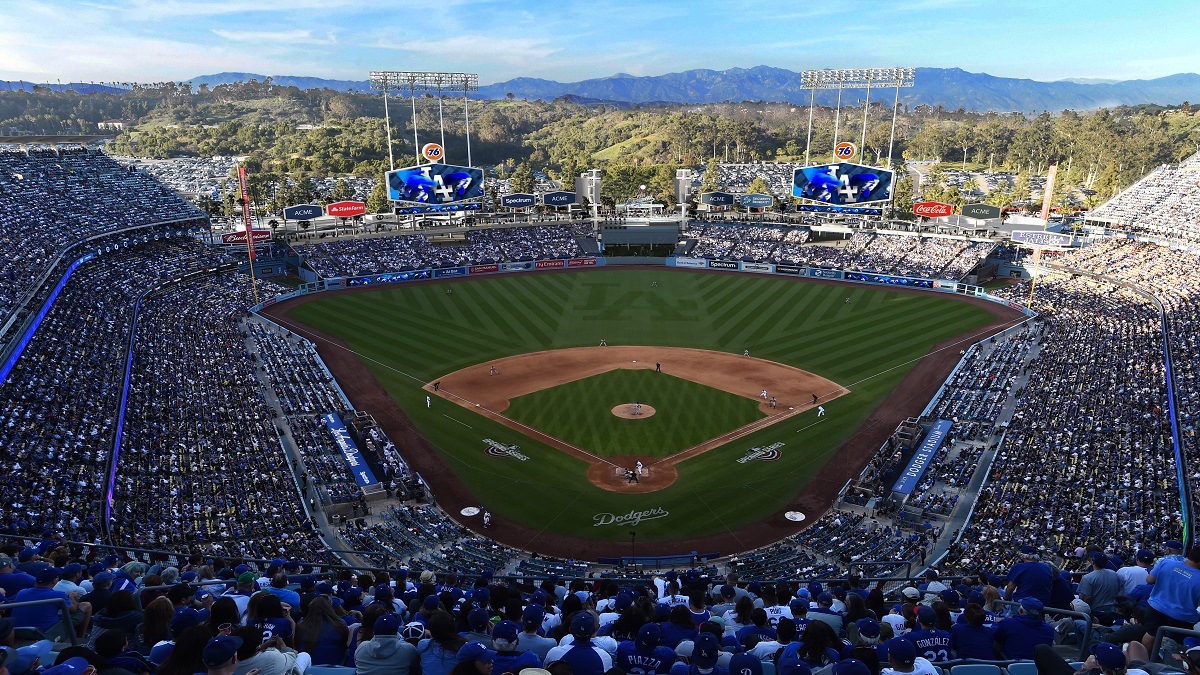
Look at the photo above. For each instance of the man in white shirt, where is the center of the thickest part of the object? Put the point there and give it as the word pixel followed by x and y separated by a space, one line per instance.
pixel 1135 575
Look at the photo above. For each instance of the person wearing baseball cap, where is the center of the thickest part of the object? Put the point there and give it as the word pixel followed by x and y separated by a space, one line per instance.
pixel 974 635
pixel 386 653
pixel 745 664
pixel 930 642
pixel 584 657
pixel 44 617
pixel 706 651
pixel 479 621
pixel 242 593
pixel 12 580
pixel 531 641
pixel 220 654
pixel 474 658
pixel 1017 635
pixel 646 653
pixel 850 667
pixel 506 636
pixel 1174 594
pixel 1029 578
pixel 76 665
pixel 1135 575
pixel 1173 550
pixel 902 659
pixel 1099 588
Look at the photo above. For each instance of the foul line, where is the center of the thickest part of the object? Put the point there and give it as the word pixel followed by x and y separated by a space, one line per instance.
pixel 454 420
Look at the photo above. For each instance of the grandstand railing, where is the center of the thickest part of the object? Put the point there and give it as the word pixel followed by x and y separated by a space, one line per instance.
pixel 1162 632
pixel 64 613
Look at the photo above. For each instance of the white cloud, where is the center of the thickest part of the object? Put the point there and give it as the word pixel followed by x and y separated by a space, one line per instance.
pixel 283 36
pixel 476 48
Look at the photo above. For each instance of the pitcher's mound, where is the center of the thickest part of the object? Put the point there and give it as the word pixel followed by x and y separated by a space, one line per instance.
pixel 632 411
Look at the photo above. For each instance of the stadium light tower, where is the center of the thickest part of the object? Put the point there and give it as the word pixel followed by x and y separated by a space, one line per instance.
pixel 855 78
pixel 388 81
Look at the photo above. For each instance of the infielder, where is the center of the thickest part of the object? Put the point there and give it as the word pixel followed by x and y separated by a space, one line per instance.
pixel 428 402
pixel 487 519
pixel 492 371
pixel 772 401
pixel 603 343
pixel 745 352
pixel 763 394
pixel 820 411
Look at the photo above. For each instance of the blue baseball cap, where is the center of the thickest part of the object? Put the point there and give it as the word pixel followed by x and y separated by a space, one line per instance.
pixel 72 666
pixel 431 602
pixel 478 618
pixel 649 636
pixel 201 595
pixel 900 649
pixel 1173 543
pixel 221 650
pixel 506 630
pixel 103 577
pixel 706 649
pixel 1109 655
pixel 728 591
pixel 926 615
pixel 1145 555
pixel 1032 605
pixel 868 628
pixel 745 664
pixel 792 665
pixel 185 619
pixel 49 574
pixel 582 626
pixel 387 624
pixel 533 614
pixel 623 602
pixel 856 667
pixel 475 651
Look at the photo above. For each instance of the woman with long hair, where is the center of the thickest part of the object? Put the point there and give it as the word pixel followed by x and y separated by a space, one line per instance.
pixel 856 609
pixel 119 612
pixel 696 606
pixel 224 612
pixel 272 619
pixel 627 626
pixel 156 624
pixel 739 617
pixel 678 627
pixel 186 657
pixel 323 634
pixel 819 646
pixel 875 603
pixel 439 651
pixel 474 659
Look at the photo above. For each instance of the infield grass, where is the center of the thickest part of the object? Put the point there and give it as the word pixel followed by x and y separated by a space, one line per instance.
pixel 686 413
pixel 408 335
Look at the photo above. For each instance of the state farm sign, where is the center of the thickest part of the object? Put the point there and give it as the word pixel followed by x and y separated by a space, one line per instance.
pixel 932 209
pixel 240 237
pixel 346 209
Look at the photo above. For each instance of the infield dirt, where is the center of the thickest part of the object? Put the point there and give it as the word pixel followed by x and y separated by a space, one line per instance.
pixel 487 388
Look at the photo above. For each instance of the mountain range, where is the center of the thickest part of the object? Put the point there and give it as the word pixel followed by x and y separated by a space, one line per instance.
pixel 952 88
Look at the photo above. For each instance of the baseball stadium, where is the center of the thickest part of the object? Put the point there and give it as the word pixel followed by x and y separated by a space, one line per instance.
pixel 794 403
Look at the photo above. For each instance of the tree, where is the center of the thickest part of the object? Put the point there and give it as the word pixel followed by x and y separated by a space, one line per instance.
pixel 758 186
pixel 377 202
pixel 521 180
pixel 342 191
pixel 711 177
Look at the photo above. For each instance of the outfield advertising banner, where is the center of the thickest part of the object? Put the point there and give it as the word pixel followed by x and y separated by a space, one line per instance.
pixel 354 459
pixel 888 280
pixel 450 272
pixel 691 262
pixel 852 210
pixel 716 198
pixel 483 269
pixel 789 269
pixel 548 264
pixel 302 212
pixel 436 208
pixel 824 274
pixel 755 201
pixel 259 236
pixel 1040 238
pixel 582 262
pixel 981 211
pixel 920 461
pixel 756 267
pixel 559 198
pixel 517 266
pixel 434 184
pixel 518 200
pixel 724 265
pixel 842 184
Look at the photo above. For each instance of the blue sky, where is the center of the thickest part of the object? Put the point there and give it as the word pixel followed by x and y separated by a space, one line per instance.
pixel 155 40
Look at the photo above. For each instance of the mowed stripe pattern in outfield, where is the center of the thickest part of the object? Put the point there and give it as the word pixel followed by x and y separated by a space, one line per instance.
pixel 408 335
pixel 686 413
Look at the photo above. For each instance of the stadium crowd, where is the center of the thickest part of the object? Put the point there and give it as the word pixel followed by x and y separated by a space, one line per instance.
pixel 351 257
pixel 53 199
pixel 1164 203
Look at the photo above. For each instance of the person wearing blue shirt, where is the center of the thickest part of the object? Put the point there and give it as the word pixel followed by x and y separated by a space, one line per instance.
pixel 1016 636
pixel 505 637
pixel 1030 578
pixel 279 587
pixel 646 654
pixel 1174 594
pixel 44 617
pixel 11 580
pixel 973 637
pixel 583 657
pixel 931 643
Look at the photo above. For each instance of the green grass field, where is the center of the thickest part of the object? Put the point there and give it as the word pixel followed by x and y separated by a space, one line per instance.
pixel 686 413
pixel 409 335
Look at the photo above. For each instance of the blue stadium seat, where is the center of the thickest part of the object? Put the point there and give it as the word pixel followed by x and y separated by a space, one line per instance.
pixel 1022 668
pixel 976 669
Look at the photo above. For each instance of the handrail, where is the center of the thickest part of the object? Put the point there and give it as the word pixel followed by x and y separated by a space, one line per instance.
pixel 1162 632
pixel 1085 643
pixel 64 610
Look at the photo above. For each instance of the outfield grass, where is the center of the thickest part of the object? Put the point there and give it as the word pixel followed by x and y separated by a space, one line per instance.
pixel 409 335
pixel 686 413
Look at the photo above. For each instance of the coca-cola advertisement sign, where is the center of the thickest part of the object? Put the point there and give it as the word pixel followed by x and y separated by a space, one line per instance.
pixel 346 209
pixel 933 209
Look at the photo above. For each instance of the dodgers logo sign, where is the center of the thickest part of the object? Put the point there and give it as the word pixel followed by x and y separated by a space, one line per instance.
pixel 842 184
pixel 631 519
pixel 434 184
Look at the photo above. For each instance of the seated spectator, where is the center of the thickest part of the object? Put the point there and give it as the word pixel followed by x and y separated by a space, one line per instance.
pixel 1016 636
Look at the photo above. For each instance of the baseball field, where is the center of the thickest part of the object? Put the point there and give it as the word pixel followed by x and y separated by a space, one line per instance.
pixel 532 419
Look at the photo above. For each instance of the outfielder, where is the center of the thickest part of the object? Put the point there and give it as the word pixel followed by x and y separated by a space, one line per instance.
pixel 820 411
